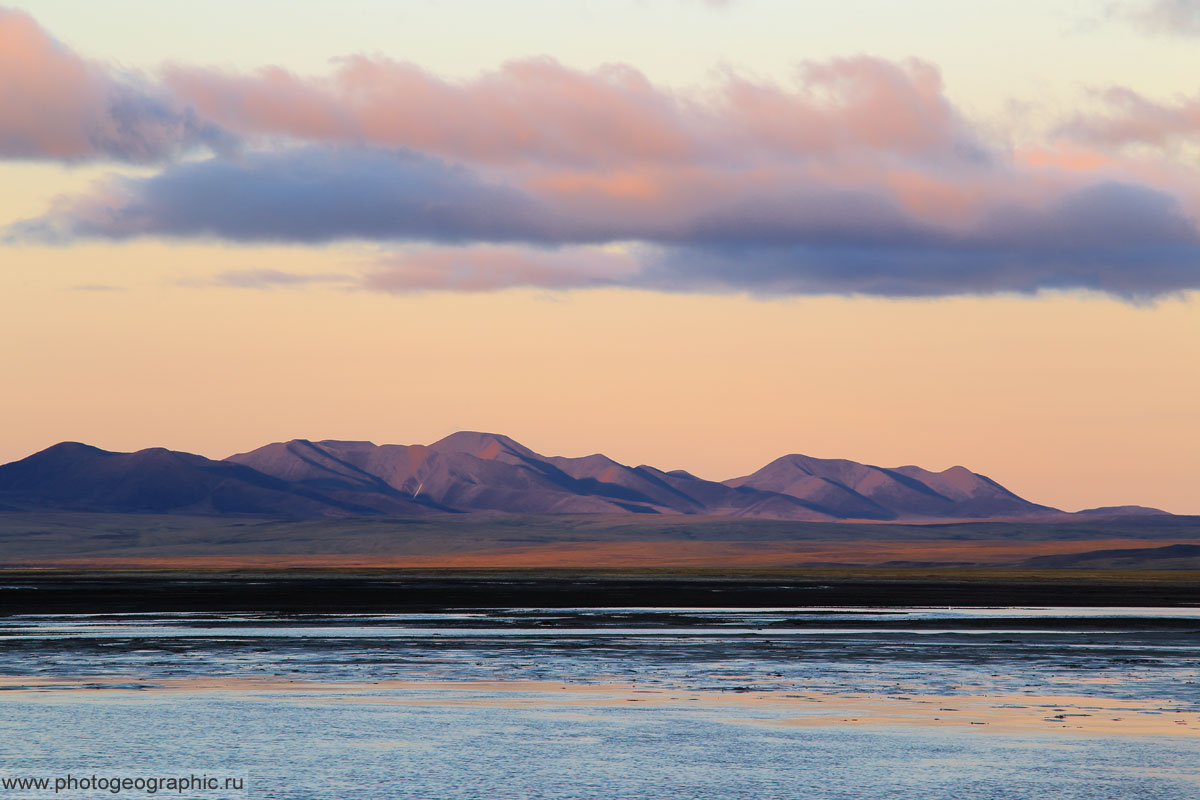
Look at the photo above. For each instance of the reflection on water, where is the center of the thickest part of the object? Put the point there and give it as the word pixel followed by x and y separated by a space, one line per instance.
pixel 616 703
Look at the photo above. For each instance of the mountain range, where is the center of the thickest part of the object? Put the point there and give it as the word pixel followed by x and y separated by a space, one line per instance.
pixel 471 472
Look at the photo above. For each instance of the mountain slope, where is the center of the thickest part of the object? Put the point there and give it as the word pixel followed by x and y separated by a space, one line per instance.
pixel 466 471
pixel 470 472
pixel 849 490
pixel 83 478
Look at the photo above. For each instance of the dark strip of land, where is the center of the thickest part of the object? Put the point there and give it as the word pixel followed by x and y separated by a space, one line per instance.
pixel 328 592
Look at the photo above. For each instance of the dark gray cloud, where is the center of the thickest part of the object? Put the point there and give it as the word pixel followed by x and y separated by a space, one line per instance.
pixel 1125 239
pixel 140 126
pixel 319 195
pixel 306 196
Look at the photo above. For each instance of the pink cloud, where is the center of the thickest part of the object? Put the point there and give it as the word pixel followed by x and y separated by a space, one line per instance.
pixel 486 268
pixel 847 104
pixel 49 95
pixel 1132 118
pixel 56 105
pixel 534 109
pixel 1065 156
pixel 541 111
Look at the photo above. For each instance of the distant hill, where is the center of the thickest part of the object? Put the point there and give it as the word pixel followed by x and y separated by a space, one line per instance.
pixel 847 489
pixel 1123 511
pixel 471 472
pixel 78 477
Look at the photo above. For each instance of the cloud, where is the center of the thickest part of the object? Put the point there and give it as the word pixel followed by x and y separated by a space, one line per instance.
pixel 55 105
pixel 857 177
pixel 324 194
pixel 1128 241
pixel 1164 17
pixel 97 287
pixel 802 232
pixel 273 278
pixel 1131 118
pixel 470 268
pixel 488 268
pixel 540 111
pixel 305 196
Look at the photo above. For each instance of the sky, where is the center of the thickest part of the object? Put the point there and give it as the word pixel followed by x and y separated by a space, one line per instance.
pixel 690 234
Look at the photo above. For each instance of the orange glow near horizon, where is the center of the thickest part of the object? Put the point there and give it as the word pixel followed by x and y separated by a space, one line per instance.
pixel 1069 400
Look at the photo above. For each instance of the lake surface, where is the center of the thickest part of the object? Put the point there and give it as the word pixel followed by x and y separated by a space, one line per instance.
pixel 822 703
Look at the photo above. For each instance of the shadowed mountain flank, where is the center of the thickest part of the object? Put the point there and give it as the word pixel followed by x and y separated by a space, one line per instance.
pixel 473 472
pixel 83 478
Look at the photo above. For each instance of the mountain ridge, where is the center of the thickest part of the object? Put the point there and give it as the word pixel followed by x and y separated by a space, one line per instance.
pixel 476 472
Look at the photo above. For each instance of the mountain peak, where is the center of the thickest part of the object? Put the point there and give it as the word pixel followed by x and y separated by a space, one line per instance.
pixel 480 444
pixel 69 449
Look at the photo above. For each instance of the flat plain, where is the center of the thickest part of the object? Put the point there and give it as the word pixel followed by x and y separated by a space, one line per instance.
pixel 78 539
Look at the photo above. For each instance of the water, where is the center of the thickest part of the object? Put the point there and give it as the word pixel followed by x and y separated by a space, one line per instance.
pixel 822 703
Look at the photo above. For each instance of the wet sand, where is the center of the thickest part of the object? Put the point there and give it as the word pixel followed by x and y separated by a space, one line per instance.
pixel 1006 714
